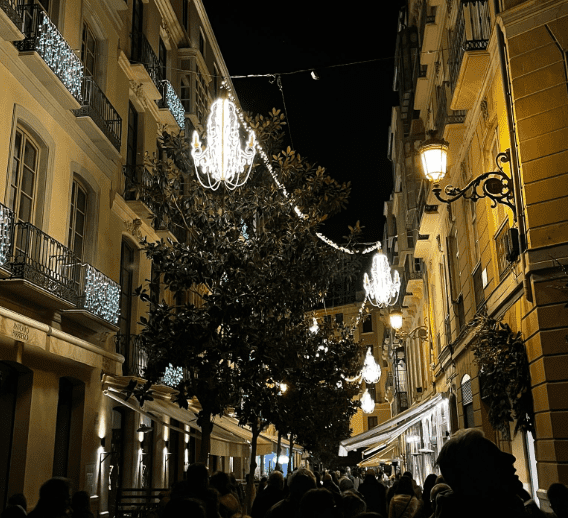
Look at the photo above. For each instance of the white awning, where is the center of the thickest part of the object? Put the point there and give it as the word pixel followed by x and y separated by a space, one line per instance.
pixel 388 431
pixel 383 456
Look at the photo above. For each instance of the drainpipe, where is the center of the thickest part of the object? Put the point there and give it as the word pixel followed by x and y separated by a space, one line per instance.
pixel 520 214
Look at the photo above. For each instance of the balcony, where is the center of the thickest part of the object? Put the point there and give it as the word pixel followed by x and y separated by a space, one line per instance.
pixel 45 52
pixel 422 247
pixel 42 270
pixel 145 65
pixel 135 359
pixel 10 21
pixel 138 185
pixel 431 33
pixel 449 123
pixel 430 220
pixel 415 284
pixel 469 58
pixel 98 118
pixel 171 108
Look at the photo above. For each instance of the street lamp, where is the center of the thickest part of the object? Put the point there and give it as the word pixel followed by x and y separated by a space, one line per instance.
pixel 223 161
pixel 395 319
pixel 381 287
pixel 495 185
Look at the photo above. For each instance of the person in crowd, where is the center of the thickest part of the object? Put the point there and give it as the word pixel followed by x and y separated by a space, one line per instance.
pixel 558 497
pixel 299 483
pixel 272 494
pixel 184 508
pixel 374 493
pixel 54 499
pixel 426 504
pixel 345 484
pixel 352 504
pixel 262 483
pixel 482 478
pixel 196 486
pixel 438 488
pixel 81 505
pixel 19 499
pixel 238 488
pixel 330 485
pixel 404 503
pixel 16 507
pixel 228 500
pixel 318 503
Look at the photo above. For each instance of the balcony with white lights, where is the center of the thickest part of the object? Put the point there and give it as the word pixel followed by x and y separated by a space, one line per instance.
pixel 10 21
pixel 170 107
pixel 46 53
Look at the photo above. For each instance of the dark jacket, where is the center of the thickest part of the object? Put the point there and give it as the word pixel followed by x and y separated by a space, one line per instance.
pixel 450 505
pixel 265 499
pixel 375 495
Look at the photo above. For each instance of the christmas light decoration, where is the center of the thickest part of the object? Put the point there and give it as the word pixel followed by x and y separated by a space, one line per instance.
pixel 172 376
pixel 173 103
pixel 102 295
pixel 314 328
pixel 371 369
pixel 6 222
pixel 367 403
pixel 381 288
pixel 223 161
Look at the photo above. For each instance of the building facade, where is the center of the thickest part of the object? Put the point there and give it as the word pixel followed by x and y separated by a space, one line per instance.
pixel 87 90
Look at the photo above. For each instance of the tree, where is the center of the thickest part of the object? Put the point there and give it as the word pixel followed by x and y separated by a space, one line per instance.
pixel 249 271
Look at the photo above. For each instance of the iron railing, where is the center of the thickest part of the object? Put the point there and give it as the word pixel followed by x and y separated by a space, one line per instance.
pixel 171 101
pixel 471 32
pixel 135 359
pixel 142 52
pixel 45 262
pixel 400 402
pixel 10 7
pixel 42 36
pixel 6 233
pixel 98 294
pixel 138 182
pixel 96 106
pixel 443 114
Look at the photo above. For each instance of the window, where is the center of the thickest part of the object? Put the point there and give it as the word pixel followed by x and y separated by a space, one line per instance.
pixel 478 292
pixel 368 325
pixel 22 194
pixel 200 97
pixel 467 402
pixel 215 80
pixel 126 287
pixel 201 43
pixel 339 318
pixel 89 51
pixel 502 246
pixel 185 94
pixel 163 58
pixel 372 421
pixel 78 220
pixel 372 389
pixel 132 139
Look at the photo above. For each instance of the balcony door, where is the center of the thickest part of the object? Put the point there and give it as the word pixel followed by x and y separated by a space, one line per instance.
pixel 137 30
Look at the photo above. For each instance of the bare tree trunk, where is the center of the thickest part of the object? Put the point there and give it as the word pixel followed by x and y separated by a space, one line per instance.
pixel 278 452
pixel 290 454
pixel 250 482
pixel 206 428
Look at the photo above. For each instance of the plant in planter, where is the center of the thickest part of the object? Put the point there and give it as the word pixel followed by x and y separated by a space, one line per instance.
pixel 504 375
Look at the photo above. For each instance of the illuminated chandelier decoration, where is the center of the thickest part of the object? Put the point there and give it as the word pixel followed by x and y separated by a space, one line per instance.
pixel 314 328
pixel 371 372
pixel 223 161
pixel 367 403
pixel 172 376
pixel 381 288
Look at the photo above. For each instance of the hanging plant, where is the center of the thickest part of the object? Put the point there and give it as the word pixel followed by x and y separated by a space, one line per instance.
pixel 504 375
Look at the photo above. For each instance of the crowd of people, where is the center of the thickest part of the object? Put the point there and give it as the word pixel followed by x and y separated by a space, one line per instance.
pixel 477 480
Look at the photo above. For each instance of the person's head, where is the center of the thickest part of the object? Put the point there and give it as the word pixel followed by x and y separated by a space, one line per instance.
pixel 18 499
pixel 429 483
pixel 55 495
pixel 81 501
pixel 352 504
pixel 197 476
pixel 407 474
pixel 300 482
pixel 345 484
pixel 276 480
pixel 221 482
pixel 317 503
pixel 435 491
pixel 184 508
pixel 13 511
pixel 558 497
pixel 473 465
pixel 404 487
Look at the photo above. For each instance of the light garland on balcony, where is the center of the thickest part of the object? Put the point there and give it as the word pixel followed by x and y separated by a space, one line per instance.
pixel 59 56
pixel 297 210
pixel 223 161
pixel 381 288
pixel 172 376
pixel 367 403
pixel 371 372
pixel 174 105
pixel 6 219
pixel 102 295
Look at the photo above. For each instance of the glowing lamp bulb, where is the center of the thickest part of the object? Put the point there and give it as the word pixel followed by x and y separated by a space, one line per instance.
pixel 395 320
pixel 367 403
pixel 434 156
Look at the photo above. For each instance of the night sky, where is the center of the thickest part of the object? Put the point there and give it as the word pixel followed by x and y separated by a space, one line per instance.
pixel 339 121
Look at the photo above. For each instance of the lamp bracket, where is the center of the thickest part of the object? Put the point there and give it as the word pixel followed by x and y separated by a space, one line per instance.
pixel 495 185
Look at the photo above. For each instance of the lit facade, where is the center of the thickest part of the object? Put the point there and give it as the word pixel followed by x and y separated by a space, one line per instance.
pixel 87 89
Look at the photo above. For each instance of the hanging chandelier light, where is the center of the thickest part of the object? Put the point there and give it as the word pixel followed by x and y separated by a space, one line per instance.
pixel 371 370
pixel 314 328
pixel 367 403
pixel 223 161
pixel 381 288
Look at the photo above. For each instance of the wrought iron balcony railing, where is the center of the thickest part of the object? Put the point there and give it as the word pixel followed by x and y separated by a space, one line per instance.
pixel 96 106
pixel 138 183
pixel 45 262
pixel 135 359
pixel 10 7
pixel 98 294
pixel 142 52
pixel 6 233
pixel 42 36
pixel 471 32
pixel 171 101
pixel 443 114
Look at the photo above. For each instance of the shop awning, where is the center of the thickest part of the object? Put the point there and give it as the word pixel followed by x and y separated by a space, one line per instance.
pixel 384 456
pixel 388 431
